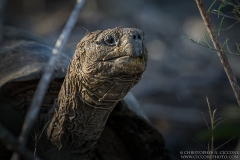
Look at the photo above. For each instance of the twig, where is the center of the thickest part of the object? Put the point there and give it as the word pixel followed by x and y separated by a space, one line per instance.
pixel 221 55
pixel 46 78
pixel 11 143
pixel 211 128
pixel 224 143
pixel 226 2
pixel 37 137
pixel 211 114
pixel 2 10
pixel 199 144
pixel 211 48
pixel 224 15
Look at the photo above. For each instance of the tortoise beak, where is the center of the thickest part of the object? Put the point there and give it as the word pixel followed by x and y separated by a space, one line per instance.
pixel 135 46
pixel 136 39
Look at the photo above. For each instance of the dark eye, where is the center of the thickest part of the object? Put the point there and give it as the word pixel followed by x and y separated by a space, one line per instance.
pixel 110 40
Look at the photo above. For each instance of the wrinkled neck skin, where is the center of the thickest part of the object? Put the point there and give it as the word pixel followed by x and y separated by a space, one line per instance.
pixel 82 109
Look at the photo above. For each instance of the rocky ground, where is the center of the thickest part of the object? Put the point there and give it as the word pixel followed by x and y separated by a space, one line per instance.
pixel 180 74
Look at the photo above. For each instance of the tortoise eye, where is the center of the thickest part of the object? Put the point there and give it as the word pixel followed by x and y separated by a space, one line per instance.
pixel 110 40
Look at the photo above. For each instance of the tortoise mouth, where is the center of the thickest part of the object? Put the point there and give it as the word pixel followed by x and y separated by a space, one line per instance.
pixel 128 53
pixel 118 58
pixel 127 60
pixel 126 57
pixel 124 65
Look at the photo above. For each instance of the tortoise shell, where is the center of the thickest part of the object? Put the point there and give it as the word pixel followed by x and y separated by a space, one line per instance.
pixel 127 135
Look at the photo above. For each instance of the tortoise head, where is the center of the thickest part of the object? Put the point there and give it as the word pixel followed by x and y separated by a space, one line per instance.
pixel 117 52
pixel 109 63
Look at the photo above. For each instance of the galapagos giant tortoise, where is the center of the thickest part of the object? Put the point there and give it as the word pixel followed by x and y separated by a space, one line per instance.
pixel 83 115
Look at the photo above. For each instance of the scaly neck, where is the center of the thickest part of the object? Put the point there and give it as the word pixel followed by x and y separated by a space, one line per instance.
pixel 81 112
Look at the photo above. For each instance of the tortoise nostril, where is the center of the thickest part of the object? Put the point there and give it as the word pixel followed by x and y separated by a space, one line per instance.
pixel 139 37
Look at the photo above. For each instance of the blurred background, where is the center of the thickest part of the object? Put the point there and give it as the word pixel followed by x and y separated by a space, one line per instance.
pixel 180 74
